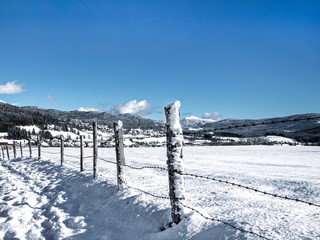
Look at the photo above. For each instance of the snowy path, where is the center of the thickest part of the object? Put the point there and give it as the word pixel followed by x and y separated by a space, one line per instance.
pixel 41 200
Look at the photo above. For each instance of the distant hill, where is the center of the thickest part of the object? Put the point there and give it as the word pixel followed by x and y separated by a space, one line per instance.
pixel 308 131
pixel 303 131
pixel 103 118
pixel 12 116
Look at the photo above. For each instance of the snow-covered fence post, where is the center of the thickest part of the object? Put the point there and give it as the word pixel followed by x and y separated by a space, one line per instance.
pixel 2 152
pixel 14 149
pixel 174 162
pixel 118 133
pixel 30 150
pixel 95 149
pixel 8 152
pixel 62 151
pixel 39 147
pixel 21 151
pixel 81 153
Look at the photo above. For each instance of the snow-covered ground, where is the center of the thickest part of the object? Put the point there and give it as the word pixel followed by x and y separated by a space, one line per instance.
pixel 39 199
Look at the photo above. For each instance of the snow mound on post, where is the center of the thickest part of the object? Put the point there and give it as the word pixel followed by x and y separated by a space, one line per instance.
pixel 174 118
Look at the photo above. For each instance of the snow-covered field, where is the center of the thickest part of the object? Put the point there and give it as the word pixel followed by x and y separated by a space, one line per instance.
pixel 42 200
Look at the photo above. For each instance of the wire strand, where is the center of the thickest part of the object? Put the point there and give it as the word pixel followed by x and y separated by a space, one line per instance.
pixel 143 191
pixel 224 222
pixel 248 188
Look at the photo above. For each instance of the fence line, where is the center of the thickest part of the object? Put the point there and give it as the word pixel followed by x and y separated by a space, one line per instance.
pixel 207 178
pixel 71 164
pixel 67 155
pixel 145 167
pixel 248 188
pixel 174 168
pixel 108 161
pixel 146 192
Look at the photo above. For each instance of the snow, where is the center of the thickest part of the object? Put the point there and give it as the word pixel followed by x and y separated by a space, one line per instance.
pixel 279 139
pixel 3 141
pixel 151 140
pixel 194 118
pixel 65 135
pixel 39 199
pixel 85 109
pixel 3 134
pixel 119 125
pixel 193 122
pixel 174 117
pixel 31 128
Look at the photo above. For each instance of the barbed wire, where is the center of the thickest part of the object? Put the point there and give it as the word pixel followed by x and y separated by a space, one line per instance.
pixel 254 124
pixel 71 164
pixel 105 160
pixel 246 187
pixel 50 153
pixel 132 137
pixel 224 222
pixel 142 137
pixel 67 155
pixel 144 167
pixel 148 193
pixel 208 218
pixel 208 178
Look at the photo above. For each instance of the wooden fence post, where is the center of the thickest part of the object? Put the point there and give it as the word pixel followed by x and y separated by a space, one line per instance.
pixel 2 152
pixel 14 149
pixel 81 153
pixel 1 156
pixel 118 132
pixel 95 149
pixel 21 152
pixel 174 162
pixel 39 147
pixel 30 150
pixel 8 152
pixel 62 151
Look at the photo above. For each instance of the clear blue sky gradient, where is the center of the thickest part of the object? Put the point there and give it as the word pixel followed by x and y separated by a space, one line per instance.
pixel 243 59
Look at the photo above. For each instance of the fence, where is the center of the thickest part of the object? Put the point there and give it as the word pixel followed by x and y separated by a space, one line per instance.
pixel 174 167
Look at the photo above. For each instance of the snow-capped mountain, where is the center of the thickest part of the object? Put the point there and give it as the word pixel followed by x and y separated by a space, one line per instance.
pixel 195 122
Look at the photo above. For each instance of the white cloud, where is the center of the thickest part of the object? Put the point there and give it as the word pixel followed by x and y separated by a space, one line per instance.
pixel 83 109
pixel 11 88
pixel 213 116
pixel 50 98
pixel 134 107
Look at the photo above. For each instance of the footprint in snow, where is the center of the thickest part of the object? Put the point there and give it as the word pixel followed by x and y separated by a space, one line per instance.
pixel 10 235
pixel 75 222
pixel 4 213
pixel 7 198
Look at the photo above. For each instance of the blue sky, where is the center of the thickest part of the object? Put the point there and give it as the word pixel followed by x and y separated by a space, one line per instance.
pixel 239 59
